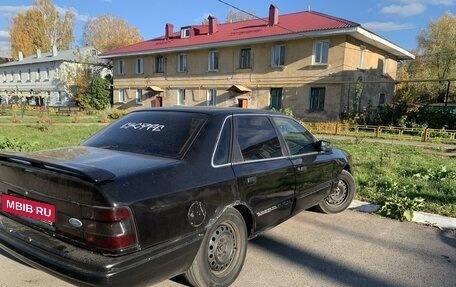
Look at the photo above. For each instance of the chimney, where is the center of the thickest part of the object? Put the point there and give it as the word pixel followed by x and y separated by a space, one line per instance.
pixel 212 25
pixel 21 56
pixel 54 51
pixel 169 30
pixel 273 15
pixel 38 53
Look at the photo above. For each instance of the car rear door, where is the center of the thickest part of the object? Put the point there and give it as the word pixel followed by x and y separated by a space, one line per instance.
pixel 265 175
pixel 314 168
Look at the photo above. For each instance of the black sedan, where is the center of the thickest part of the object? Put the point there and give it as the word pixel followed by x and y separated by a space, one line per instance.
pixel 166 191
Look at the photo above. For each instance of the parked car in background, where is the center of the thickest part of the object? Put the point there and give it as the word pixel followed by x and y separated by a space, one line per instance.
pixel 166 191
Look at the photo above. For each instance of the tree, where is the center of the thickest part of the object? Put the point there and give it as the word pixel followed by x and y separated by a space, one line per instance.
pixel 58 31
pixel 82 82
pixel 107 32
pixel 436 59
pixel 41 27
pixel 236 16
pixel 98 96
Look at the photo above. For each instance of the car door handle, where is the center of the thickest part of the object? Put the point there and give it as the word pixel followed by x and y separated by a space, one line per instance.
pixel 251 180
pixel 301 169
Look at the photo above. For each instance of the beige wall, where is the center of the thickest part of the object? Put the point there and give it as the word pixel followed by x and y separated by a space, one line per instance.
pixel 296 78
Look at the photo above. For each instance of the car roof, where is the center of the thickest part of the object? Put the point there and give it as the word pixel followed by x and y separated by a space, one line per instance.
pixel 210 110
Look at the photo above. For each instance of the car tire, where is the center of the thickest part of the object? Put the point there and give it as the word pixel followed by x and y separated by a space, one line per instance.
pixel 341 196
pixel 222 252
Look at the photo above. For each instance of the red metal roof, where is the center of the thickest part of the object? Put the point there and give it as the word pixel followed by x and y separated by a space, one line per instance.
pixel 295 23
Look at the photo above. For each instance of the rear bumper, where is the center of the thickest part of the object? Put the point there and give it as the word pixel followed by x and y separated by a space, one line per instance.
pixel 84 268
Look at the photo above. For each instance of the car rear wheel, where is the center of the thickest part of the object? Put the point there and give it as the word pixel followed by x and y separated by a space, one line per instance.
pixel 222 252
pixel 340 197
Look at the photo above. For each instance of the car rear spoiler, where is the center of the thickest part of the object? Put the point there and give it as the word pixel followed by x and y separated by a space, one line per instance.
pixel 85 172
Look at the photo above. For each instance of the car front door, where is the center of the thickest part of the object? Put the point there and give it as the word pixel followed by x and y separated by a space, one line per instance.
pixel 265 176
pixel 314 168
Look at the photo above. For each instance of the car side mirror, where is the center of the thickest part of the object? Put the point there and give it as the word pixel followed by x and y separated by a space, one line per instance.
pixel 323 146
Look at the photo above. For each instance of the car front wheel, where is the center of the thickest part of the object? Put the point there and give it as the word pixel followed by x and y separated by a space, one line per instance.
pixel 340 197
pixel 222 252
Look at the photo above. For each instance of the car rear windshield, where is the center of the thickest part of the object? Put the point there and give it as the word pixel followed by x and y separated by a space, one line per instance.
pixel 158 133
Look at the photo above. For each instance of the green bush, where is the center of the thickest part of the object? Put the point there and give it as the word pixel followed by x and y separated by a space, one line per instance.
pixel 400 207
pixel 15 144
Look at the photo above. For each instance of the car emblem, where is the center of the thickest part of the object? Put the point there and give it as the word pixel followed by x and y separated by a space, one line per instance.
pixel 75 222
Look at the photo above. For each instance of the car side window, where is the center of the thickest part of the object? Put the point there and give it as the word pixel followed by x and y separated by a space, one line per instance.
pixel 298 139
pixel 222 152
pixel 257 138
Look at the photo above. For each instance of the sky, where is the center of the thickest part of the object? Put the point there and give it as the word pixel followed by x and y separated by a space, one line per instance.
pixel 398 21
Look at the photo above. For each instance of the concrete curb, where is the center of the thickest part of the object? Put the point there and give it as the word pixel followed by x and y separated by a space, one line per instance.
pixel 439 221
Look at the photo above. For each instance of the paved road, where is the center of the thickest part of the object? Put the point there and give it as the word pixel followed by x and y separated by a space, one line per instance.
pixel 312 249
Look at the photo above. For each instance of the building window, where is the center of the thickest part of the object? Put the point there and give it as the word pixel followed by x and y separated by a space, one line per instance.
pixel 12 77
pixel 122 96
pixel 139 93
pixel 4 76
pixel 246 59
pixel 385 66
pixel 185 32
pixel 19 76
pixel 139 66
pixel 321 51
pixel 276 98
pixel 213 61
pixel 159 64
pixel 278 56
pixel 46 75
pixel 29 75
pixel 317 99
pixel 362 58
pixel 381 100
pixel 121 67
pixel 38 75
pixel 211 97
pixel 181 97
pixel 182 63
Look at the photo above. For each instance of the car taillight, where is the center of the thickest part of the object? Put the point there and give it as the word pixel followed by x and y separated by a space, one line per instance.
pixel 110 229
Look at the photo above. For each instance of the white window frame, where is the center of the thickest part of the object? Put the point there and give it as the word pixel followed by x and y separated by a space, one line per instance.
pixel 211 97
pixel 121 67
pixel 385 65
pixel 12 76
pixel 320 48
pixel 278 56
pixel 181 97
pixel 213 63
pixel 122 95
pixel 19 76
pixel 46 75
pixel 5 78
pixel 38 75
pixel 138 97
pixel 139 66
pixel 185 32
pixel 159 64
pixel 182 63
pixel 245 58
pixel 362 57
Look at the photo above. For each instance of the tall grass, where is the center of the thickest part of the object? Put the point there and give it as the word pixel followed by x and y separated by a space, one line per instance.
pixel 409 171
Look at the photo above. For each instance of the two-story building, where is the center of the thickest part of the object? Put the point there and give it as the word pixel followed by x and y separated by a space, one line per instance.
pixel 45 78
pixel 317 65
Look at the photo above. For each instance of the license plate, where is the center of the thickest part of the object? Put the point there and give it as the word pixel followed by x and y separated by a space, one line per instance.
pixel 29 208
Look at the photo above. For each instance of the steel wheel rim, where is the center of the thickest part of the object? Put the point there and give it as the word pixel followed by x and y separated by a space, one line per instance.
pixel 339 195
pixel 223 249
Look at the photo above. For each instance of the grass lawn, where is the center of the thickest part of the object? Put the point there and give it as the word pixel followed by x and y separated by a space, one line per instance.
pixel 381 170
